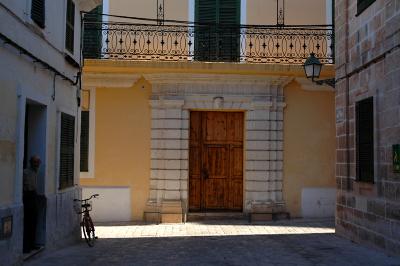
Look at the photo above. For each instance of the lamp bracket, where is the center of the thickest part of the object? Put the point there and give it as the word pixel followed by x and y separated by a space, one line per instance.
pixel 329 82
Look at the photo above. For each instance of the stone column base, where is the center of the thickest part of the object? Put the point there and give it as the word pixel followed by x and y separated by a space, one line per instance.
pixel 152 213
pixel 171 211
pixel 268 211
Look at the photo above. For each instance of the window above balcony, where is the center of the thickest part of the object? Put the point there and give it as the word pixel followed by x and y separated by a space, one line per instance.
pixel 217 36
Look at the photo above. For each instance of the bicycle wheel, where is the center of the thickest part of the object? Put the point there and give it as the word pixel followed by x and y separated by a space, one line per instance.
pixel 88 230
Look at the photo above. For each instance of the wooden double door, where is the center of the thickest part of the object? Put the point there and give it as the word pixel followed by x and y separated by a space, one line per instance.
pixel 216 161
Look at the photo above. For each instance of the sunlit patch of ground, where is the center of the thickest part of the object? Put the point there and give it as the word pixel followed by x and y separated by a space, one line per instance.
pixel 214 228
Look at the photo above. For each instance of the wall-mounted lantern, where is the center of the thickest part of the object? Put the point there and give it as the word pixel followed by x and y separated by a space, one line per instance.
pixel 312 68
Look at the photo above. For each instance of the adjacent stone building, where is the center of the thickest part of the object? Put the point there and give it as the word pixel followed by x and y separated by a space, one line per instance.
pixel 39 103
pixel 368 122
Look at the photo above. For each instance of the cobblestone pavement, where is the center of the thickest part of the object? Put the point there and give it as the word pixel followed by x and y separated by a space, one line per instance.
pixel 293 242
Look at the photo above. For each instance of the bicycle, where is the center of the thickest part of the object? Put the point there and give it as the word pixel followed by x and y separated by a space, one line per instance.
pixel 87 223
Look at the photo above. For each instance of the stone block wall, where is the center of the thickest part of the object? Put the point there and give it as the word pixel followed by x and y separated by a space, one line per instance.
pixel 264 154
pixel 367 65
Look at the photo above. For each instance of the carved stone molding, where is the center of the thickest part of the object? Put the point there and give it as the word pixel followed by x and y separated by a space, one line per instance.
pixel 110 80
pixel 164 103
pixel 187 78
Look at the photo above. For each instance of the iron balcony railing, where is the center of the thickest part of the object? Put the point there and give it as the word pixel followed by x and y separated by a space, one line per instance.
pixel 210 43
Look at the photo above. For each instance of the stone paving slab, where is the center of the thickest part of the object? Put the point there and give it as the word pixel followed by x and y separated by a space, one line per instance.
pixel 218 243
pixel 214 228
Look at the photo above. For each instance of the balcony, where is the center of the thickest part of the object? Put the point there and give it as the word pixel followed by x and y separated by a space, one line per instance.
pixel 264 44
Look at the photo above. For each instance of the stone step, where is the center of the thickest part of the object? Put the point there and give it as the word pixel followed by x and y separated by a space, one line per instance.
pixel 201 216
pixel 269 216
pixel 33 252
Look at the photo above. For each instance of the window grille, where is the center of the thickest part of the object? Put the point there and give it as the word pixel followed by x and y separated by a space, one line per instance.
pixel 365 140
pixel 84 163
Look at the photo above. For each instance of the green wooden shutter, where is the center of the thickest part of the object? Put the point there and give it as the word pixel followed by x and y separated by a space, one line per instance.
pixel 205 33
pixel 217 36
pixel 38 12
pixel 84 163
pixel 92 34
pixel 70 25
pixel 206 11
pixel 67 140
pixel 229 35
pixel 365 140
pixel 229 12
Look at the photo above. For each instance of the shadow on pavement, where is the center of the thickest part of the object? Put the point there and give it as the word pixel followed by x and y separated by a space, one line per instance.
pixel 305 249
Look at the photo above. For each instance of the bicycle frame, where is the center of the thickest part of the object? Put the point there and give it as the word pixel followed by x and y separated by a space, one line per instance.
pixel 87 223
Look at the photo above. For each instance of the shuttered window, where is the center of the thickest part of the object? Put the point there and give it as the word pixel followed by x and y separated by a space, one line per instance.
pixel 84 141
pixel 70 24
pixel 363 4
pixel 218 33
pixel 67 139
pixel 92 33
pixel 365 140
pixel 38 8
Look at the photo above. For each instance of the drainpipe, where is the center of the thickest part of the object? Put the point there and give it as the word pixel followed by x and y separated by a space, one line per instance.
pixel 53 96
pixel 348 172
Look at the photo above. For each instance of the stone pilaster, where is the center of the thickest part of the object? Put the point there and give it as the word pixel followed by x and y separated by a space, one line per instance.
pixel 169 161
pixel 264 151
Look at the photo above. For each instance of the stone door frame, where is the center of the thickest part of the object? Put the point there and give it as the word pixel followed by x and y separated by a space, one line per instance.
pixel 174 96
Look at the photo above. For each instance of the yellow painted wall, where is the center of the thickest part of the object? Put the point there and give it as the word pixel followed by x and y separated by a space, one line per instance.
pixel 309 143
pixel 122 158
pixel 261 12
pixel 174 9
pixel 123 129
pixel 305 12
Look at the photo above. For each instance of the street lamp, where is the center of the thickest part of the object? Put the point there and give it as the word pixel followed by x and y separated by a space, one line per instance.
pixel 312 68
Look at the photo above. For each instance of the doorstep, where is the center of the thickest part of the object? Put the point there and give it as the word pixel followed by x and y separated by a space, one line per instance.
pixel 33 252
pixel 202 216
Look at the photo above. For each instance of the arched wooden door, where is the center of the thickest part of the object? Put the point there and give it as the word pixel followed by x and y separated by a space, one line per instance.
pixel 216 161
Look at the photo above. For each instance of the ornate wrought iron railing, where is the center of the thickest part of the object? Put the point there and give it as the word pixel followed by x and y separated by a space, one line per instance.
pixel 211 43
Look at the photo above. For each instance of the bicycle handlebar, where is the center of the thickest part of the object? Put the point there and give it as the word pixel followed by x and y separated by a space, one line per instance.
pixel 93 196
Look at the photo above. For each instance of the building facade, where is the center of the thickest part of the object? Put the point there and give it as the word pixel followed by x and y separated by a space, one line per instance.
pixel 39 96
pixel 190 118
pixel 367 122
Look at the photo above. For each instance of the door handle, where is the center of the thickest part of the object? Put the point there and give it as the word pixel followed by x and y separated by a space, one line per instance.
pixel 205 173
